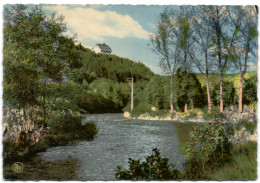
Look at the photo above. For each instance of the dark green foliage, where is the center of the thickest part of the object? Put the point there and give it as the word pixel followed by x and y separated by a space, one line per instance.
pixel 207 151
pixel 66 124
pixel 188 90
pixel 93 103
pixel 250 90
pixel 230 131
pixel 114 67
pixel 229 94
pixel 214 114
pixel 154 168
pixel 250 126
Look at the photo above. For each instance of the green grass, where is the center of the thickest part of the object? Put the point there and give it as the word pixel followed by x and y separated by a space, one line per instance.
pixel 244 166
pixel 37 169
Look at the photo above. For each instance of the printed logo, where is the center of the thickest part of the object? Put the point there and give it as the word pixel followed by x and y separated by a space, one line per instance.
pixel 17 167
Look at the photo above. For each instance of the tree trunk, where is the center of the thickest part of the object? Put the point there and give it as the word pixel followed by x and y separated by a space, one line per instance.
pixel 207 82
pixel 221 93
pixel 186 108
pixel 208 92
pixel 240 103
pixel 171 97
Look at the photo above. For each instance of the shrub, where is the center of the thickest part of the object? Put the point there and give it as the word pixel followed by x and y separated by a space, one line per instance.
pixel 230 131
pixel 154 168
pixel 250 126
pixel 244 166
pixel 89 130
pixel 66 124
pixel 214 114
pixel 206 150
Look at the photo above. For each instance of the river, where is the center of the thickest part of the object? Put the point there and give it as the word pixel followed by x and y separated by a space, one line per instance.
pixel 117 140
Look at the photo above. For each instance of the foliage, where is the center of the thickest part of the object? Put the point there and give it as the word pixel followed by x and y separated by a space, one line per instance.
pixel 250 126
pixel 189 90
pixel 230 131
pixel 214 114
pixel 244 166
pixel 92 103
pixel 154 168
pixel 207 149
pixel 229 94
pixel 250 90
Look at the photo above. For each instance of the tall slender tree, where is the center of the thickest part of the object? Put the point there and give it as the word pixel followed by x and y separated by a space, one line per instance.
pixel 244 18
pixel 164 44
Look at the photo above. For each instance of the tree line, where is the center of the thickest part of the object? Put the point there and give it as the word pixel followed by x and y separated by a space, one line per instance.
pixel 207 39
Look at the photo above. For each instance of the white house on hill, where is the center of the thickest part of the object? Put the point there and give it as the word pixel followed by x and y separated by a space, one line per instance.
pixel 102 48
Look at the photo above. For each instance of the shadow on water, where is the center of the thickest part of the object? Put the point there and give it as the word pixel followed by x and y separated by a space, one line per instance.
pixel 118 140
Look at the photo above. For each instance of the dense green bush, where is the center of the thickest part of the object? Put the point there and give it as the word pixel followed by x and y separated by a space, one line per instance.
pixel 66 124
pixel 250 90
pixel 154 168
pixel 230 131
pixel 250 126
pixel 214 114
pixel 229 94
pixel 207 150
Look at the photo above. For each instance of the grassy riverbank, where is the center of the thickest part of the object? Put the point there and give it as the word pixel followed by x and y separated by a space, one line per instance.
pixel 37 169
pixel 243 166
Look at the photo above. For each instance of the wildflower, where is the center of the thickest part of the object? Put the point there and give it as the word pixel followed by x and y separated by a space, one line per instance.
pixel 194 140
pixel 157 170
pixel 213 135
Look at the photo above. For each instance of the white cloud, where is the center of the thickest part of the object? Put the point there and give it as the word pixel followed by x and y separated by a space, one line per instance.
pixel 92 24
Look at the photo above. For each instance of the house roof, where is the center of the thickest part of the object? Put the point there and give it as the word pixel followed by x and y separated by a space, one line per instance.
pixel 104 48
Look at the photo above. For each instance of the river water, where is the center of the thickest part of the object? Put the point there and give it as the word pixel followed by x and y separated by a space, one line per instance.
pixel 118 140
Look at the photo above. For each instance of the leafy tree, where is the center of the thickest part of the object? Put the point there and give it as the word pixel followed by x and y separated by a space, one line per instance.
pixel 250 90
pixel 162 43
pixel 34 56
pixel 189 90
pixel 245 38
pixel 229 94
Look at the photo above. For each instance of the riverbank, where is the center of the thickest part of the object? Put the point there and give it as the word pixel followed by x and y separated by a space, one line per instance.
pixel 229 115
pixel 36 169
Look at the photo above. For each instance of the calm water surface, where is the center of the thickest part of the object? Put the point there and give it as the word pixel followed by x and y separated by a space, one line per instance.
pixel 118 140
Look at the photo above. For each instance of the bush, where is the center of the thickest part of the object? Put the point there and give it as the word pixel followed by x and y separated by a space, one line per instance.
pixel 250 126
pixel 206 150
pixel 89 130
pixel 66 124
pixel 243 167
pixel 154 168
pixel 214 114
pixel 230 131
